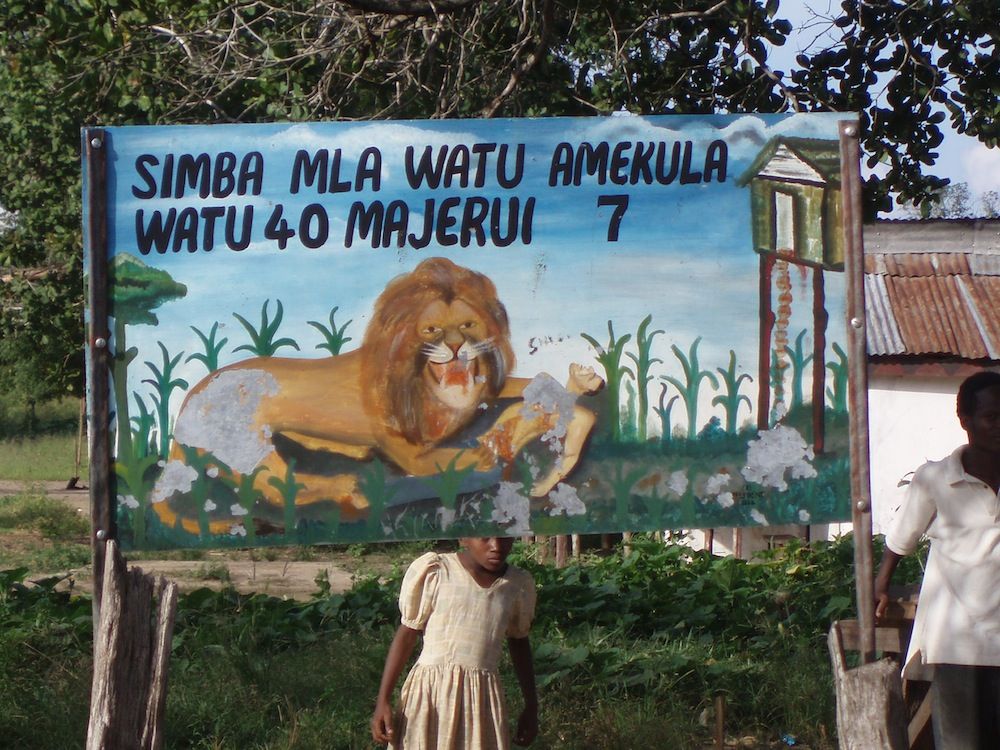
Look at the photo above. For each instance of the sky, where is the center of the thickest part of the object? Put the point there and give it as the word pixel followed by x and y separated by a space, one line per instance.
pixel 962 158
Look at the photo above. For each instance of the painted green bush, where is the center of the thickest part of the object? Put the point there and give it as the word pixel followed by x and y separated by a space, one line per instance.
pixel 262 339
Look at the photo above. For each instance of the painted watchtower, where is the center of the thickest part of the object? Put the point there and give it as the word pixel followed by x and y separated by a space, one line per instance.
pixel 795 196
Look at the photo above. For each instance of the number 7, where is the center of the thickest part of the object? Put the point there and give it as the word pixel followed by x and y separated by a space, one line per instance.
pixel 620 202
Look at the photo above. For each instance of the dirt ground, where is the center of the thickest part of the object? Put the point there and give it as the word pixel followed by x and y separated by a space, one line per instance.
pixel 246 570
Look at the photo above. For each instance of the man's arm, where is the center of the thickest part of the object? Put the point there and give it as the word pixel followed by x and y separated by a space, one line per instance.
pixel 885 570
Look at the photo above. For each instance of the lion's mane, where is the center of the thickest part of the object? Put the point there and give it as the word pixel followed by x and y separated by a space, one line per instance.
pixel 392 385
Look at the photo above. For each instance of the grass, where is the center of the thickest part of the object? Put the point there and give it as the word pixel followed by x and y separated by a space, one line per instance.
pixel 630 651
pixel 42 534
pixel 39 443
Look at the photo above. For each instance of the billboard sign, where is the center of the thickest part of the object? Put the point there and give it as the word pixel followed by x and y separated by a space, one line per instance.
pixel 353 331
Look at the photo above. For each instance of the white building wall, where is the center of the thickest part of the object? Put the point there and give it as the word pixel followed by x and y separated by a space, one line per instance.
pixel 910 420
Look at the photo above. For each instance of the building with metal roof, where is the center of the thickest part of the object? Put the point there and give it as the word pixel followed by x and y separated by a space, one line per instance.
pixel 931 292
pixel 932 303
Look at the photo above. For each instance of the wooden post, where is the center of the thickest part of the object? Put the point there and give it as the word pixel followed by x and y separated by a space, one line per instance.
pixel 821 319
pixel 720 721
pixel 576 546
pixel 543 548
pixel 871 713
pixel 857 384
pixel 562 545
pixel 131 652
pixel 767 318
pixel 98 359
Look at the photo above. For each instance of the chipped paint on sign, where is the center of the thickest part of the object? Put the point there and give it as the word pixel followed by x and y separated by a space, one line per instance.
pixel 776 452
pixel 222 417
pixel 176 477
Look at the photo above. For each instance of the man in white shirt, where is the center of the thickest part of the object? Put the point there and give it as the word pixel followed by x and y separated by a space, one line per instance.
pixel 956 502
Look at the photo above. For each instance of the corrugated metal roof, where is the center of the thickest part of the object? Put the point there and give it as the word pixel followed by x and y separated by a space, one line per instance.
pixel 938 299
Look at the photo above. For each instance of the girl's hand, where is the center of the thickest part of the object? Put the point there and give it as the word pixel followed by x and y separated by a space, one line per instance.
pixel 527 727
pixel 382 724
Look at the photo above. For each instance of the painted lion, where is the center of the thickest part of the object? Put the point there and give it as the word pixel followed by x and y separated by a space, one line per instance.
pixel 436 354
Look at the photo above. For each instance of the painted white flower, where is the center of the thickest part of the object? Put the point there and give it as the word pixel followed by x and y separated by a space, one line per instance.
pixel 759 517
pixel 128 501
pixel 237 529
pixel 804 516
pixel 237 510
pixel 677 483
pixel 565 499
pixel 717 483
pixel 725 499
pixel 513 508
pixel 776 452
pixel 446 517
pixel 210 506
pixel 213 472
pixel 176 477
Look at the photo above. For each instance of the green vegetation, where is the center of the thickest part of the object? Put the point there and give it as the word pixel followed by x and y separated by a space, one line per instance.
pixel 629 648
pixel 38 441
pixel 643 362
pixel 730 401
pixel 42 534
pixel 164 384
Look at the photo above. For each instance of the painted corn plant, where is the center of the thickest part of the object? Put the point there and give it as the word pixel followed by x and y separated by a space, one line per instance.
pixel 644 362
pixel 689 387
pixel 610 358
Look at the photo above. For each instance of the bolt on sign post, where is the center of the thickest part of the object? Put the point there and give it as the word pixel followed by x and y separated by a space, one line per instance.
pixel 342 332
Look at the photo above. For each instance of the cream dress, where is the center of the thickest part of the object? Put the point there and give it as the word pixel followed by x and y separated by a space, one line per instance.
pixel 452 699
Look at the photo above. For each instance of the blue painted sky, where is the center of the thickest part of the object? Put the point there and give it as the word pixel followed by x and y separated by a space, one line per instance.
pixel 684 252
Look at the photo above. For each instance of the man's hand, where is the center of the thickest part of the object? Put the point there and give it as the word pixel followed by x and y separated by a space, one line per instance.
pixel 881 600
pixel 889 562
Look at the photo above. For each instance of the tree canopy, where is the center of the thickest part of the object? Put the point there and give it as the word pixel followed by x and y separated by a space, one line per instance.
pixel 905 65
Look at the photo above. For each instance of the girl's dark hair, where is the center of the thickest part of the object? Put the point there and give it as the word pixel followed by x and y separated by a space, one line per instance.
pixel 973 385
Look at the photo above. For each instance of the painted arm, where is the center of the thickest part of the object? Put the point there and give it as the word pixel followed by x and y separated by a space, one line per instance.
pixel 577 430
pixel 383 730
pixel 524 668
pixel 582 381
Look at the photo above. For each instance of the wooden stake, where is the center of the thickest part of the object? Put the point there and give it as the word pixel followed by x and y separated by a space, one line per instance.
pixel 562 543
pixel 720 722
pixel 131 652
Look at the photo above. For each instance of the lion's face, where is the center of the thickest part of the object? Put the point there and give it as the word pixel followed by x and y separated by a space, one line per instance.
pixel 454 337
pixel 437 346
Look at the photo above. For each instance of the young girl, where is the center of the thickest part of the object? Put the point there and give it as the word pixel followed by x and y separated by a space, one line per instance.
pixel 465 604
